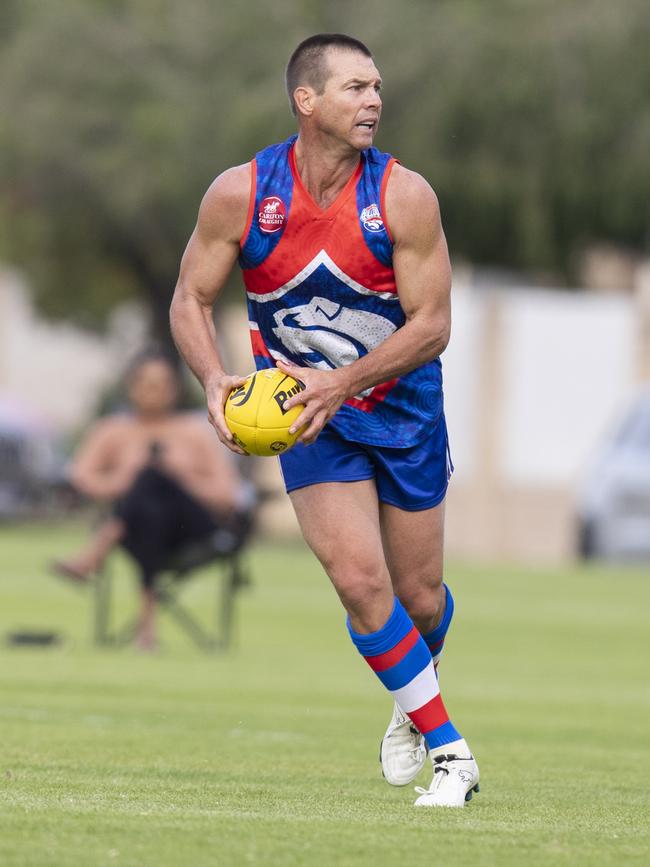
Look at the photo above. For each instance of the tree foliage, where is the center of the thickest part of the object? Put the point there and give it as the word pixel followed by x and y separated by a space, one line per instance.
pixel 529 118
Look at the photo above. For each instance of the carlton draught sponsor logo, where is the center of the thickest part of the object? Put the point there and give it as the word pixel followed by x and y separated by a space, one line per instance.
pixel 371 218
pixel 272 214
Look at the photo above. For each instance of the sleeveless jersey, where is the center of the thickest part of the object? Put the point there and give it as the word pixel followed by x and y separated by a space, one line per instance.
pixel 321 291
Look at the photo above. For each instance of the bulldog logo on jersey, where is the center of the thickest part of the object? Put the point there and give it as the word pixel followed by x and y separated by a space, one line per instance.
pixel 327 335
pixel 272 214
pixel 371 218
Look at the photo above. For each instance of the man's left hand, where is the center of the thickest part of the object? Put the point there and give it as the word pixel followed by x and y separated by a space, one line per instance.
pixel 325 391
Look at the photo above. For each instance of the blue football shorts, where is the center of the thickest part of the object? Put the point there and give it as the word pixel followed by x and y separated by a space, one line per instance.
pixel 414 478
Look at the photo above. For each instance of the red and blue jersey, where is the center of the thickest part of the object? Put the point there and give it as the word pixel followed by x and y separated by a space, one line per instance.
pixel 321 290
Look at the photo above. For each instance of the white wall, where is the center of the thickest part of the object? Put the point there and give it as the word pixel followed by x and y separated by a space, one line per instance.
pixel 569 366
pixel 566 365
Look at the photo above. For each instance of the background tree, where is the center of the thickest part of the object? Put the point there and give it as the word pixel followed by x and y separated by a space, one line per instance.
pixel 529 118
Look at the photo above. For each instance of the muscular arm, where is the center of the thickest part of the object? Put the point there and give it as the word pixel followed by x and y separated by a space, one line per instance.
pixel 208 260
pixel 423 277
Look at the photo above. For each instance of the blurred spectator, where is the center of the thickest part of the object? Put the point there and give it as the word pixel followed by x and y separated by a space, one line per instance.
pixel 168 481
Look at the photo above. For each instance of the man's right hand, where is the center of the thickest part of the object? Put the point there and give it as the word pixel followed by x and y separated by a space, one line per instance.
pixel 217 390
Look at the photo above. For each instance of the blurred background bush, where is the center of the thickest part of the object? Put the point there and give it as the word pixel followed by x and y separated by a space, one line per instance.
pixel 531 121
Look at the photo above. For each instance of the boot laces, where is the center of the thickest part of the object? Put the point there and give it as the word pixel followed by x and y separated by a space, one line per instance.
pixel 418 752
pixel 418 748
pixel 440 772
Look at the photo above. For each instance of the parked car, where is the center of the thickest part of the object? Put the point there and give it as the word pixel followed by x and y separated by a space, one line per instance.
pixel 614 503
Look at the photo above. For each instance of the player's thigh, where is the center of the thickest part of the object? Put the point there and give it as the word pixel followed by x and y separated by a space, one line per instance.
pixel 340 523
pixel 414 548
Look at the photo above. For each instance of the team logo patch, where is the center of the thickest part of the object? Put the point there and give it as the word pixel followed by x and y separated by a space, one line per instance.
pixel 371 219
pixel 272 214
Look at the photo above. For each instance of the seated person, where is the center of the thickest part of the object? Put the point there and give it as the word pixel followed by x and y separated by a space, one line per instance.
pixel 166 476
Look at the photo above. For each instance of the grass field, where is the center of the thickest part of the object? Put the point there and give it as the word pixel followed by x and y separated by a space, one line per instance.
pixel 268 755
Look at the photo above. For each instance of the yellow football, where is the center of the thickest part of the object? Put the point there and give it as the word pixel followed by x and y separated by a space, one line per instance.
pixel 256 416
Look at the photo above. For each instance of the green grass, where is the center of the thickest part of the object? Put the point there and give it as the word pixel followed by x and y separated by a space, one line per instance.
pixel 268 755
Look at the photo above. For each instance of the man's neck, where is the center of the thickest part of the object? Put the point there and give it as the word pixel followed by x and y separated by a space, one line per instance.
pixel 324 169
pixel 152 419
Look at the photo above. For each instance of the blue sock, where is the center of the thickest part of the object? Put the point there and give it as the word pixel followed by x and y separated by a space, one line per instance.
pixel 436 638
pixel 400 658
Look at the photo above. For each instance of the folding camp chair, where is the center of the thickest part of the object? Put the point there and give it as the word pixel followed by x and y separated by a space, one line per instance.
pixel 224 551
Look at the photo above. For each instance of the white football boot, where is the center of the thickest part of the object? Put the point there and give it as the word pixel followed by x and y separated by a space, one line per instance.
pixel 403 750
pixel 454 782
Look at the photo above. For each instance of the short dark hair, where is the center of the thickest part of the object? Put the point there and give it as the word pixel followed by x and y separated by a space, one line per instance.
pixel 151 353
pixel 307 64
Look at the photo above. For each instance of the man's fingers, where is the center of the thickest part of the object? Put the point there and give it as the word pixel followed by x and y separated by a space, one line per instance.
pixel 225 436
pixel 294 370
pixel 235 448
pixel 235 382
pixel 310 434
pixel 296 400
pixel 220 427
pixel 298 374
pixel 287 366
pixel 303 419
pixel 217 395
pixel 218 422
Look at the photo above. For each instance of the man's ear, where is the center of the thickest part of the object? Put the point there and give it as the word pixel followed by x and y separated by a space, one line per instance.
pixel 303 98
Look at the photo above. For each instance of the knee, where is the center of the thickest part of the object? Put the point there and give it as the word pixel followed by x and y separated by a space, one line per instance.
pixel 362 583
pixel 361 598
pixel 424 601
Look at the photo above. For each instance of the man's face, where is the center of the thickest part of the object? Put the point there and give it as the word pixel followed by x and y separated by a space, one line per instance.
pixel 350 106
pixel 153 388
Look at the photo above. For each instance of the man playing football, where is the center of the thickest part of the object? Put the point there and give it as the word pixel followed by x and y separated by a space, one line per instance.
pixel 348 283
